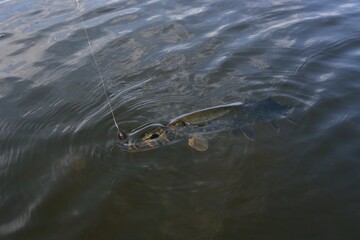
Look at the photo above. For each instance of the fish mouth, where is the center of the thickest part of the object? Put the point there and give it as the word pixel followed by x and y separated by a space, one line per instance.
pixel 122 135
pixel 137 145
pixel 138 141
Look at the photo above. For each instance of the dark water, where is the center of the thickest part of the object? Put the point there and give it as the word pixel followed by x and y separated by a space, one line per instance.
pixel 62 176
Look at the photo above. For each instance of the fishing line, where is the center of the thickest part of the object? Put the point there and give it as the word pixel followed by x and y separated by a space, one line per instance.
pixel 97 65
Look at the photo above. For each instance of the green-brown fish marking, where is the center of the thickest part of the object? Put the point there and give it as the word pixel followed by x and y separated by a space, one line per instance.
pixel 194 126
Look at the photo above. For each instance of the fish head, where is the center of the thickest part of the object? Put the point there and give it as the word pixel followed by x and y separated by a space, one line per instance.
pixel 145 137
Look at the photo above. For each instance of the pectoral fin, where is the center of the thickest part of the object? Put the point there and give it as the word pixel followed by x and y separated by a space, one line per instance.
pixel 275 126
pixel 248 133
pixel 198 142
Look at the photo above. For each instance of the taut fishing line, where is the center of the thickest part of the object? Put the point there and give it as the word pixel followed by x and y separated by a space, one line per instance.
pixel 97 65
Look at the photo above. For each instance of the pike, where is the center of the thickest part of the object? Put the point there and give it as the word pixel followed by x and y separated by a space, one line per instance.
pixel 196 126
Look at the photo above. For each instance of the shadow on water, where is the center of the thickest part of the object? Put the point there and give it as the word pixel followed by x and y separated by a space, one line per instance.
pixel 63 176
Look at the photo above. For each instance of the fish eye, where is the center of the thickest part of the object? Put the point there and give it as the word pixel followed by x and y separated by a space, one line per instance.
pixel 153 136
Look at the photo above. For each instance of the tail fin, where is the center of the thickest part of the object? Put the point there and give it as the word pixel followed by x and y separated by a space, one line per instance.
pixel 290 120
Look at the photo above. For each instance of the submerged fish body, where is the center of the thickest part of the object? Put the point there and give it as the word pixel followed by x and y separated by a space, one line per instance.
pixel 193 126
pixel 237 114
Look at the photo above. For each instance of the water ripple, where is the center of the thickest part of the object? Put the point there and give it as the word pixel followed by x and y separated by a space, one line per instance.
pixel 161 59
pixel 20 221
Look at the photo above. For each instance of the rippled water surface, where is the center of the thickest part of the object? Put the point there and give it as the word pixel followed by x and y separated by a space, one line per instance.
pixel 63 175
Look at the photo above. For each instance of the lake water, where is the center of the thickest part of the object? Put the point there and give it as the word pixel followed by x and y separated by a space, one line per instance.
pixel 63 175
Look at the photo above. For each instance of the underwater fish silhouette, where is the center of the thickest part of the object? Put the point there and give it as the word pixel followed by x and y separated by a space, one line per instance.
pixel 196 126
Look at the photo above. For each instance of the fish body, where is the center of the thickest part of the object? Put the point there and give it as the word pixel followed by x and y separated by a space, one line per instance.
pixel 195 125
